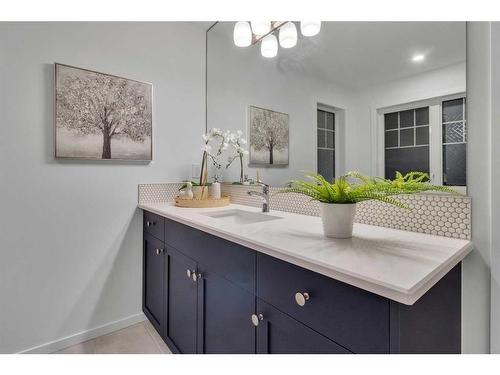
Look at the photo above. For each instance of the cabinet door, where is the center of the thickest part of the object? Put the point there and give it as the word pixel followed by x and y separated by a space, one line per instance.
pixel 278 333
pixel 354 318
pixel 182 301
pixel 153 272
pixel 225 311
pixel 154 225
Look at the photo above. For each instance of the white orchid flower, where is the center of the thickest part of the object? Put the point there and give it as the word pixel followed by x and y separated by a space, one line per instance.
pixel 215 131
pixel 207 149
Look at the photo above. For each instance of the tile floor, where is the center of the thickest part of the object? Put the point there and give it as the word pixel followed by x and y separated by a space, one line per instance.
pixel 140 338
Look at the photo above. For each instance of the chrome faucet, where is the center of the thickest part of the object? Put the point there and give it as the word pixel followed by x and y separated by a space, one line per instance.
pixel 264 195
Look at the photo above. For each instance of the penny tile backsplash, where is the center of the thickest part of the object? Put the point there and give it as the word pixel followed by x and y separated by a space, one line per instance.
pixel 438 214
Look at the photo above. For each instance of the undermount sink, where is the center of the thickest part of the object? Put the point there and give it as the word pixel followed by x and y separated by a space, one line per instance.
pixel 240 217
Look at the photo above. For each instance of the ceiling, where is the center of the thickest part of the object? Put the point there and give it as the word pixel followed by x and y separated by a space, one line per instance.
pixel 362 54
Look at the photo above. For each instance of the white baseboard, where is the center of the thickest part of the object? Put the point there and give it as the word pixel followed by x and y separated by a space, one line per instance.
pixel 77 338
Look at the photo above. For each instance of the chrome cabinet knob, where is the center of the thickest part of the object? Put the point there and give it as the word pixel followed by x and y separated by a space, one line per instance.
pixel 301 298
pixel 149 223
pixel 191 274
pixel 256 319
pixel 159 251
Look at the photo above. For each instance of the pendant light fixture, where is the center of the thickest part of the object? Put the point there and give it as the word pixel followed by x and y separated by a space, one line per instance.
pixel 269 46
pixel 310 28
pixel 288 35
pixel 242 34
pixel 261 27
pixel 248 33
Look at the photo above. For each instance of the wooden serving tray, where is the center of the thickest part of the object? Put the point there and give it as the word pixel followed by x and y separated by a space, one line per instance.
pixel 202 203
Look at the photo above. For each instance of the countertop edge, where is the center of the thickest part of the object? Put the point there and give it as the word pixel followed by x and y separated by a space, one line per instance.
pixel 402 296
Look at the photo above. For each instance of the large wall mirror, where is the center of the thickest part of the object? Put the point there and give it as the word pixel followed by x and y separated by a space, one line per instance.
pixel 377 97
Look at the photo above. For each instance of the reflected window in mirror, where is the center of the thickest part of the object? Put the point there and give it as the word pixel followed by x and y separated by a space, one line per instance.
pixel 430 136
pixel 454 142
pixel 406 141
pixel 326 143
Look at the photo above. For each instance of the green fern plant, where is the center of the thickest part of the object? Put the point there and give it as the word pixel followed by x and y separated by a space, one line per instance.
pixel 354 187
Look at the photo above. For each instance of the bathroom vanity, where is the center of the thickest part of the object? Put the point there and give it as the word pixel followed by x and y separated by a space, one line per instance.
pixel 233 280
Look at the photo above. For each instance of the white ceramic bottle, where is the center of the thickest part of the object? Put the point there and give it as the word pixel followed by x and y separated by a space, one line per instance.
pixel 215 190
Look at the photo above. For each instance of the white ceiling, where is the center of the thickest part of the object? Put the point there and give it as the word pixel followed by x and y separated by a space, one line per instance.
pixel 362 54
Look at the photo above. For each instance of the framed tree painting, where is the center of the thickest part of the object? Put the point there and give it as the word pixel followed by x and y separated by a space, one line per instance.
pixel 269 138
pixel 101 116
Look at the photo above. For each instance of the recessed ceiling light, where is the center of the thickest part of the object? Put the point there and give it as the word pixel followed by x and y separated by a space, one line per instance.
pixel 418 58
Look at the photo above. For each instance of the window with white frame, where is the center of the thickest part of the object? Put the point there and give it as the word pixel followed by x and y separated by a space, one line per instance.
pixel 326 143
pixel 428 136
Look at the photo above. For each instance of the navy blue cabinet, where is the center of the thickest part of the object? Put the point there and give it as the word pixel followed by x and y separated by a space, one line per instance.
pixel 278 333
pixel 225 312
pixel 182 301
pixel 351 316
pixel 153 281
pixel 227 259
pixel 433 323
pixel 205 294
pixel 154 225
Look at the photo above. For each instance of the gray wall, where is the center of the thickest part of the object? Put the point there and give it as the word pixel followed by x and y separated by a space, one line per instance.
pixel 476 271
pixel 70 233
pixel 495 180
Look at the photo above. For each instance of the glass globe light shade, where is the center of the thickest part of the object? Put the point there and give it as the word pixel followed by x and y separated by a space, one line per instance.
pixel 288 35
pixel 261 27
pixel 269 46
pixel 310 28
pixel 242 34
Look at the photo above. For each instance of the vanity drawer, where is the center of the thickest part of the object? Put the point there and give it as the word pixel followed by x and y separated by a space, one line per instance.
pixel 214 254
pixel 154 225
pixel 354 318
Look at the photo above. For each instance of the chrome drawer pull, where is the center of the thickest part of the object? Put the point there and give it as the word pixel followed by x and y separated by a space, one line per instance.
pixel 149 223
pixel 159 251
pixel 188 273
pixel 256 319
pixel 301 298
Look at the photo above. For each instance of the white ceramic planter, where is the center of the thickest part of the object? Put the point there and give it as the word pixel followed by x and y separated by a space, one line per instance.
pixel 337 219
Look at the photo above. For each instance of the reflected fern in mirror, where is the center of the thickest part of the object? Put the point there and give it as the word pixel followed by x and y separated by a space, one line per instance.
pixel 355 187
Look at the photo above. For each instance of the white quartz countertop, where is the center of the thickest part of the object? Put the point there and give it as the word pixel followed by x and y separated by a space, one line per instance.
pixel 396 264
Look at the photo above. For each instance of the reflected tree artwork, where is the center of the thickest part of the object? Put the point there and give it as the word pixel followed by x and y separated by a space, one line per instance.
pixel 268 137
pixel 101 116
